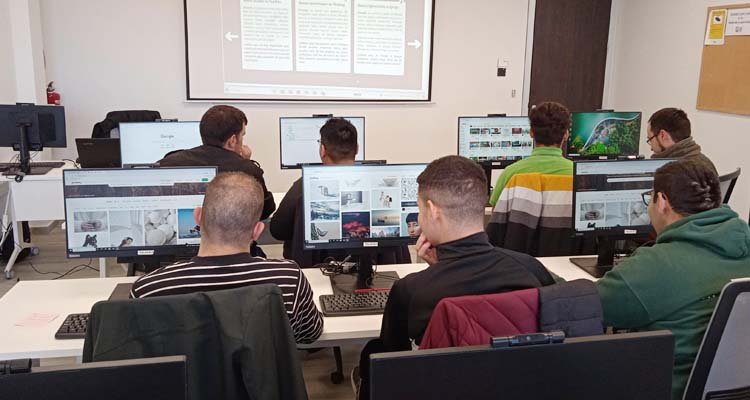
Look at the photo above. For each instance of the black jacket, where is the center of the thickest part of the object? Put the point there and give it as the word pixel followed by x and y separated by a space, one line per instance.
pixel 468 266
pixel 288 222
pixel 238 342
pixel 572 307
pixel 225 161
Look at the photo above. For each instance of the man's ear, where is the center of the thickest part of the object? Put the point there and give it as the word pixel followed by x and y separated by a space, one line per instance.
pixel 565 138
pixel 322 152
pixel 258 230
pixel 231 142
pixel 197 214
pixel 531 133
pixel 433 210
pixel 662 203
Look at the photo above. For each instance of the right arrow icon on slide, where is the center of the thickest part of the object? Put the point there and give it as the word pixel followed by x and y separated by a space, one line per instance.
pixel 231 36
pixel 416 44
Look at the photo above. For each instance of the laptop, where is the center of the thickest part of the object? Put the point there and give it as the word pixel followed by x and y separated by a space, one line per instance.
pixel 99 153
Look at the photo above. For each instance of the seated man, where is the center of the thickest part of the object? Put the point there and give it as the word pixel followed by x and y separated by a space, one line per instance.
pixel 229 222
pixel 668 134
pixel 338 146
pixel 451 199
pixel 550 123
pixel 223 131
pixel 674 285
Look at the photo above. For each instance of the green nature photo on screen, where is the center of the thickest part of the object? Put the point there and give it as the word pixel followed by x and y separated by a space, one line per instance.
pixel 604 134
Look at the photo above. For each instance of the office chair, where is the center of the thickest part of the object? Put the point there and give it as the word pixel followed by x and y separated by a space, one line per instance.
pixel 727 182
pixel 722 366
pixel 112 121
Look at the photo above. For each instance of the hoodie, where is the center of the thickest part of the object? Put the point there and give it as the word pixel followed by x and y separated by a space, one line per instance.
pixel 675 284
pixel 686 148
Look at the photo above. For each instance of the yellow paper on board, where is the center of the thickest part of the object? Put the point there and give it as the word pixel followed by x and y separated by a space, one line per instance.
pixel 717 20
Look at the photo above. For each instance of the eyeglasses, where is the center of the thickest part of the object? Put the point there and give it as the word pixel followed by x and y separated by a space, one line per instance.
pixel 647 196
pixel 648 140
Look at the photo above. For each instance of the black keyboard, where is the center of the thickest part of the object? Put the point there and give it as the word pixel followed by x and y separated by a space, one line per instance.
pixel 365 303
pixel 74 327
pixel 38 164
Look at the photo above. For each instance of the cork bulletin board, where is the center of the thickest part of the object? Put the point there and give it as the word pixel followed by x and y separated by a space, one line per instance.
pixel 724 84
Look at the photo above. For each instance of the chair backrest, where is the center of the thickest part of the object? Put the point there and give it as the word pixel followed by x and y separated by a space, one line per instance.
pixel 238 342
pixel 624 366
pixel 112 121
pixel 727 182
pixel 473 320
pixel 723 360
pixel 534 215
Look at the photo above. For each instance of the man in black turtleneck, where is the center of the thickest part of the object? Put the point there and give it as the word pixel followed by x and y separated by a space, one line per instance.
pixel 452 196
pixel 668 134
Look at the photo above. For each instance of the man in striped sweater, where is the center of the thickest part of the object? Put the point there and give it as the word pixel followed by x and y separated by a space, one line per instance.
pixel 229 221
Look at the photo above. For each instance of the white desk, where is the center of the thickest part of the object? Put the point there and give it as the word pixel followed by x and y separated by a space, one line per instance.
pixel 36 198
pixel 71 296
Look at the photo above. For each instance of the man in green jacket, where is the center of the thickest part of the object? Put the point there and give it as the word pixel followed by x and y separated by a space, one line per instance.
pixel 700 246
pixel 550 123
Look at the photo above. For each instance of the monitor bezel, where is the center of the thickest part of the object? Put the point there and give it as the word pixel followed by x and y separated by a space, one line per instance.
pixel 299 165
pixel 354 245
pixel 183 250
pixel 616 231
pixel 122 160
pixel 601 157
pixel 505 163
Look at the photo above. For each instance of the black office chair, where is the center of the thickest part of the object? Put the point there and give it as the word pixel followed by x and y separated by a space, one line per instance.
pixel 721 369
pixel 112 121
pixel 727 182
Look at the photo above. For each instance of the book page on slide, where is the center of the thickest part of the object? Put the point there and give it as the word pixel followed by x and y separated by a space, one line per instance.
pixel 324 35
pixel 266 34
pixel 379 36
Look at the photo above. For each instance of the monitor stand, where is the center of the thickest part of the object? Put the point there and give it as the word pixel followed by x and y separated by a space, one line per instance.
pixel 600 264
pixel 365 279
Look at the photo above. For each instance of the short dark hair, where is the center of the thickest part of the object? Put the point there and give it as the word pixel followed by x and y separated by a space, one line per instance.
pixel 412 217
pixel 339 137
pixel 457 185
pixel 549 121
pixel 231 208
pixel 219 123
pixel 691 186
pixel 672 120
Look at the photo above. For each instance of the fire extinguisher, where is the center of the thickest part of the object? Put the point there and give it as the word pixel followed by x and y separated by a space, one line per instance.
pixel 52 96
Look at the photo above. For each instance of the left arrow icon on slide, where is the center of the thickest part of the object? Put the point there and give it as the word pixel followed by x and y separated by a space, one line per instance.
pixel 230 36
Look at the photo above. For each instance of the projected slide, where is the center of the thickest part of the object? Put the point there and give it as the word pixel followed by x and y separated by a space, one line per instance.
pixel 309 49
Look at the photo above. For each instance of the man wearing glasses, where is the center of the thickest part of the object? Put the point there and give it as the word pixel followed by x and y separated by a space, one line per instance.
pixel 700 246
pixel 668 134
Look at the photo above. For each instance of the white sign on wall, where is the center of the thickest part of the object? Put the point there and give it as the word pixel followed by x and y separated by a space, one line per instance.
pixel 738 22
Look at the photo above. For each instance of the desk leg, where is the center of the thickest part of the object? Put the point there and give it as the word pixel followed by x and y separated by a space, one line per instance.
pixel 17 247
pixel 102 267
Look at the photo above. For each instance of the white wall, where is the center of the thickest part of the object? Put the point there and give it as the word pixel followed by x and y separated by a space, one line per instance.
pixel 657 58
pixel 107 55
pixel 7 67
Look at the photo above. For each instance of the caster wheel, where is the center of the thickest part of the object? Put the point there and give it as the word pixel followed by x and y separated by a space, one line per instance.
pixel 34 251
pixel 337 377
pixel 9 275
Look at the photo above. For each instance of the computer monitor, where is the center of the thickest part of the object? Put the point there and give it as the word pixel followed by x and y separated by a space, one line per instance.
pixel 360 208
pixel 608 202
pixel 622 366
pixel 604 135
pixel 162 378
pixel 145 143
pixel 494 139
pixel 299 138
pixel 144 212
pixel 29 127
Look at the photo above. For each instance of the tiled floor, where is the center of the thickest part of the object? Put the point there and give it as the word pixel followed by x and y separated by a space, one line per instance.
pixel 51 263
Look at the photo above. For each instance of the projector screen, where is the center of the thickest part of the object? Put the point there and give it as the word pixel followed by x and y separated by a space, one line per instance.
pixel 309 50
